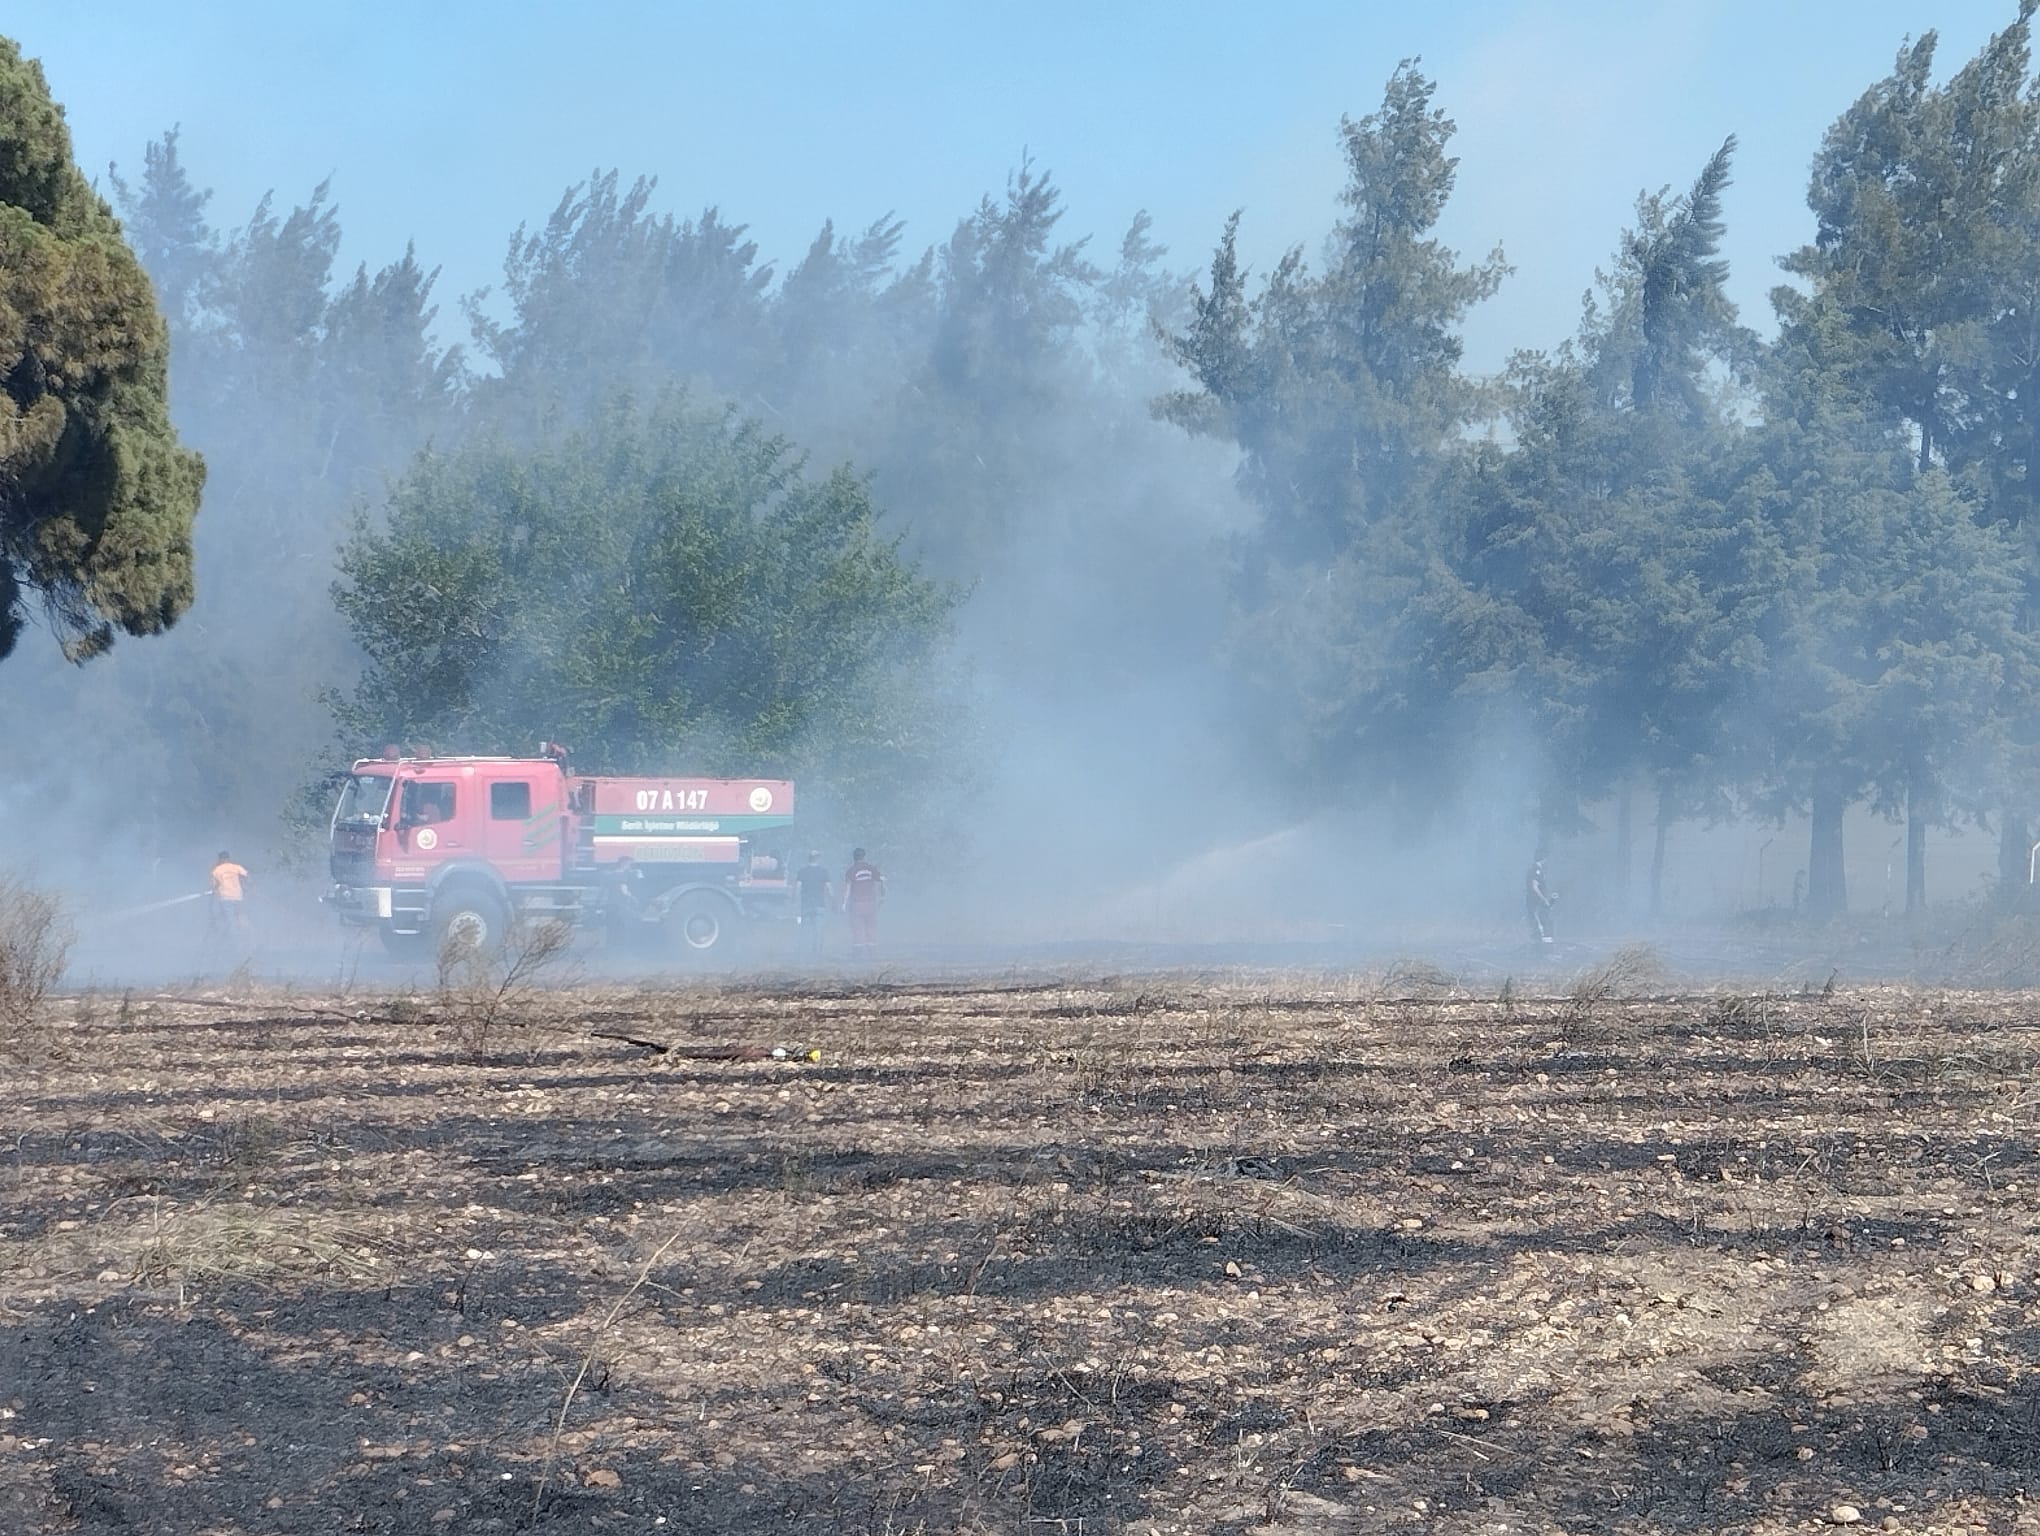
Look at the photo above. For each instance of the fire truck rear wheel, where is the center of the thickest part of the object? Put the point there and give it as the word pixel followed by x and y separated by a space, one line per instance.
pixel 701 924
pixel 468 920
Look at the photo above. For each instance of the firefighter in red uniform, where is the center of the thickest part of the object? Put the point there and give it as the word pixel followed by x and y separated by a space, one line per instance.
pixel 863 890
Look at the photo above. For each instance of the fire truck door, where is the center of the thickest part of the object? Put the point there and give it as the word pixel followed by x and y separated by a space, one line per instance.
pixel 522 837
pixel 429 819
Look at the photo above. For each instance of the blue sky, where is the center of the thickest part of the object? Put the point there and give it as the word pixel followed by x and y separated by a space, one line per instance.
pixel 453 121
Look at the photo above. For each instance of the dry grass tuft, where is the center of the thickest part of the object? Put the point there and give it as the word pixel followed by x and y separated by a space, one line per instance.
pixel 197 1244
pixel 1994 951
pixel 1933 1047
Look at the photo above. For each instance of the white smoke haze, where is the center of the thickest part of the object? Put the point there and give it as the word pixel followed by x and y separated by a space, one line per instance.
pixel 1115 784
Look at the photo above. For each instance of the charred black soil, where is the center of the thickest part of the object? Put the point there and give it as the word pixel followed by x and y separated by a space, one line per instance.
pixel 1241 1253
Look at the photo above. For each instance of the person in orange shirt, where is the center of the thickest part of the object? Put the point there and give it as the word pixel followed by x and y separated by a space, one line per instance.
pixel 229 907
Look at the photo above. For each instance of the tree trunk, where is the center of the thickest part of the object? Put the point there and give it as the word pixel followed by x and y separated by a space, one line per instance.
pixel 1486 858
pixel 1657 851
pixel 2015 844
pixel 1827 892
pixel 1624 839
pixel 1917 804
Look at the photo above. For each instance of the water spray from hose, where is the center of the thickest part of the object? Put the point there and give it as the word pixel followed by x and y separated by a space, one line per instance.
pixel 155 906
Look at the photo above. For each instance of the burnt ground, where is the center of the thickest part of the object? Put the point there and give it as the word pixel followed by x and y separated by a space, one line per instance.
pixel 1243 1253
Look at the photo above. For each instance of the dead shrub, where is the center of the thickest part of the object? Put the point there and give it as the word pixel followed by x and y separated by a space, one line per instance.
pixel 1630 972
pixel 1415 978
pixel 35 946
pixel 1508 1002
pixel 595 1357
pixel 1736 1013
pixel 482 988
pixel 243 1142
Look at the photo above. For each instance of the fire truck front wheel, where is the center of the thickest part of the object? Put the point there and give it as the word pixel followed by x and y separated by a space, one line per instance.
pixel 702 924
pixel 468 919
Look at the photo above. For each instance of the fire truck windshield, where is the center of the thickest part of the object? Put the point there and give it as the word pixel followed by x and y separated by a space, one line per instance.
pixel 364 797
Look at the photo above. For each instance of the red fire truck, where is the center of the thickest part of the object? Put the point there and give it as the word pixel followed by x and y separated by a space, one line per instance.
pixel 427 848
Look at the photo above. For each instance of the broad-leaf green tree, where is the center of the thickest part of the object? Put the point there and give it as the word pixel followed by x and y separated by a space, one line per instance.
pixel 663 589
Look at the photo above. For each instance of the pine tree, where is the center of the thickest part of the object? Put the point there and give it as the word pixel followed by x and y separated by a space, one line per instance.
pixel 1921 275
pixel 97 497
pixel 166 224
pixel 612 296
pixel 1918 192
pixel 1344 395
pixel 384 385
pixel 1892 640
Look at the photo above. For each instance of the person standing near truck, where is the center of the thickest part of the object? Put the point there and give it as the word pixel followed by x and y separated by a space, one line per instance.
pixel 813 880
pixel 863 891
pixel 622 913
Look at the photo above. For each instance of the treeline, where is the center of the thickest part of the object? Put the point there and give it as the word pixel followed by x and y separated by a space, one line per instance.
pixel 665 504
pixel 688 504
pixel 1663 557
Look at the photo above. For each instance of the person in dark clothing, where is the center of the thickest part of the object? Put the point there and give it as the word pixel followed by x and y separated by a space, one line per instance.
pixel 622 913
pixel 813 880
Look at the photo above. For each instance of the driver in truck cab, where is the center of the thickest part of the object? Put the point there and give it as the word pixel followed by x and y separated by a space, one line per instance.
pixel 427 805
